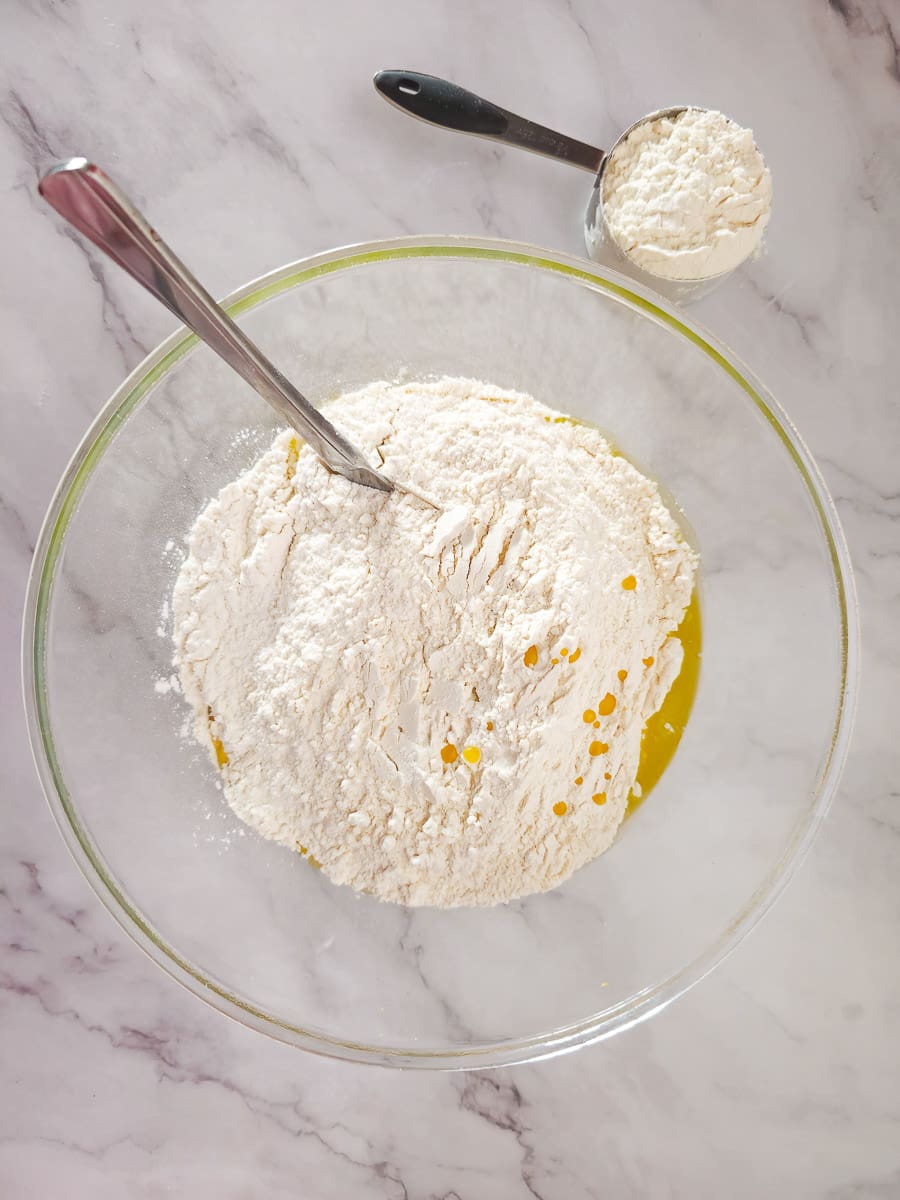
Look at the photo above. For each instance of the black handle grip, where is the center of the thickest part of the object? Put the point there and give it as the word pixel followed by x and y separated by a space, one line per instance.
pixel 441 102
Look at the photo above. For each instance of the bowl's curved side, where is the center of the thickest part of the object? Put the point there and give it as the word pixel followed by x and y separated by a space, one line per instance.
pixel 40 593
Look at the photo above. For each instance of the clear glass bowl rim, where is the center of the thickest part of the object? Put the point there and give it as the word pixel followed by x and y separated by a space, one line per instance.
pixel 38 603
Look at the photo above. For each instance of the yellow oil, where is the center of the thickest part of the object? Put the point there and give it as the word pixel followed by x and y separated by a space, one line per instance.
pixel 219 749
pixel 664 729
pixel 293 455
pixel 310 858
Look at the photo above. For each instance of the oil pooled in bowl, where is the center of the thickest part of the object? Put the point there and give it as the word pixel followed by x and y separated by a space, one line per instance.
pixel 663 731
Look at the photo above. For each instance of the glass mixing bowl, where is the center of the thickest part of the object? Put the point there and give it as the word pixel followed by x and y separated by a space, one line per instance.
pixel 251 927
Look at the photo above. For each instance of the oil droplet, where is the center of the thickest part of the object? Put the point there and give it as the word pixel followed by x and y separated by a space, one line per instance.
pixel 599 798
pixel 596 724
pixel 312 860
pixel 607 776
pixel 472 754
pixel 564 652
pixel 575 655
pixel 629 583
pixel 560 808
pixel 606 705
pixel 623 675
pixel 596 748
pixel 554 661
pixel 221 756
pixel 531 657
pixel 292 455
pixel 547 419
pixel 490 726
pixel 449 753
pixel 588 716
pixel 579 781
pixel 648 662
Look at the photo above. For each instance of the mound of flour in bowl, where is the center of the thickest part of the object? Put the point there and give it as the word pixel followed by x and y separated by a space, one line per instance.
pixel 441 704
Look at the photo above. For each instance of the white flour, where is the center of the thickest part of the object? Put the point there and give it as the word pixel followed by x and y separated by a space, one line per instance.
pixel 343 645
pixel 688 197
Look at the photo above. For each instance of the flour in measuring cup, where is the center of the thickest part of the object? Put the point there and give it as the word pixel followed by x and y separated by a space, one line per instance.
pixel 687 197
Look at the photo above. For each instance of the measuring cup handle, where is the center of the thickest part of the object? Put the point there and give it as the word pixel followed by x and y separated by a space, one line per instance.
pixel 440 102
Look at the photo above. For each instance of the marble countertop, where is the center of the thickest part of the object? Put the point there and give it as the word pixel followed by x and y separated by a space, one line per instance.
pixel 253 137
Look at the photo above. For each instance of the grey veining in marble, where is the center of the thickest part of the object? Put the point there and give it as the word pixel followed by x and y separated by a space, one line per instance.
pixel 779 1075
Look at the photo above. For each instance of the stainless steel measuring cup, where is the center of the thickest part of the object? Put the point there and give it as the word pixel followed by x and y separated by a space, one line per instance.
pixel 440 102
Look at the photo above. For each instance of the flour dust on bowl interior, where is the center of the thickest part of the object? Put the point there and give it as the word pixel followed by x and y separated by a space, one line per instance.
pixel 247 924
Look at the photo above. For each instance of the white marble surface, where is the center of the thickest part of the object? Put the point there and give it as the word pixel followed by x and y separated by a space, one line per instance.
pixel 254 137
